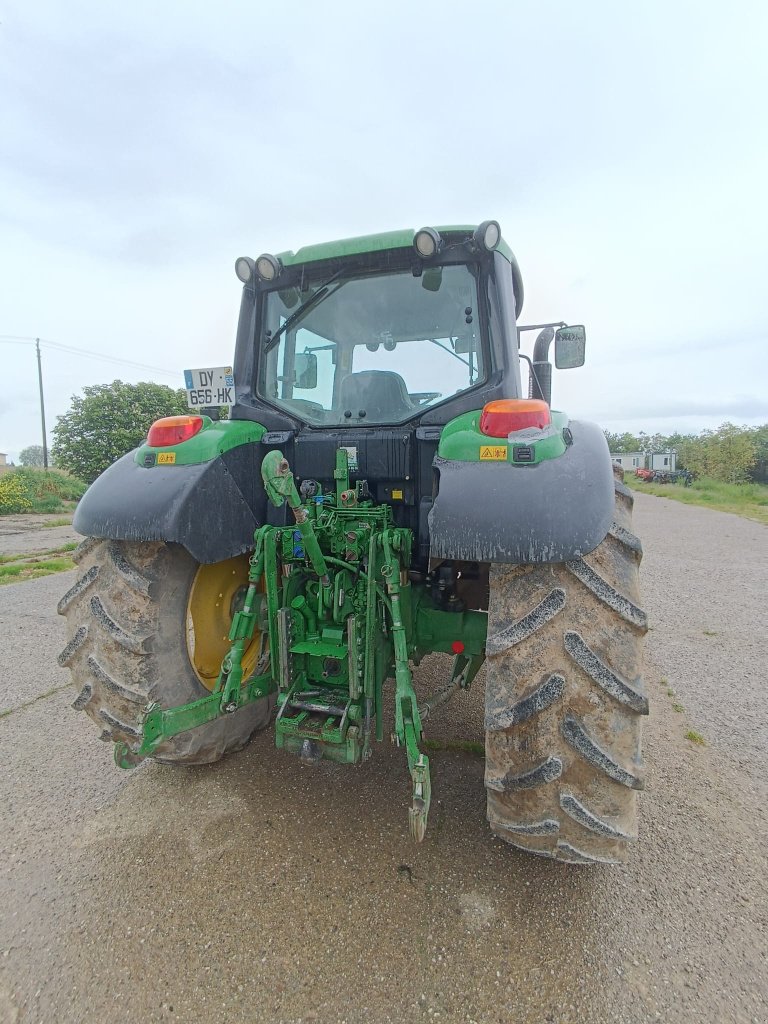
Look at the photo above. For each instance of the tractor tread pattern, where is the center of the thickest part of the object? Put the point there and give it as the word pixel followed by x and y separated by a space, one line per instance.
pixel 544 696
pixel 576 810
pixel 134 644
pixel 571 855
pixel 89 577
pixel 121 727
pixel 575 734
pixel 126 647
pixel 621 488
pixel 604 592
pixel 529 624
pixel 84 548
pixel 543 773
pixel 72 646
pixel 128 573
pixel 565 702
pixel 627 538
pixel 112 685
pixel 547 827
pixel 602 675
pixel 83 698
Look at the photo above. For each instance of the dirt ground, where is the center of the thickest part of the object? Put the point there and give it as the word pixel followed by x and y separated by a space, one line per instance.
pixel 26 534
pixel 261 890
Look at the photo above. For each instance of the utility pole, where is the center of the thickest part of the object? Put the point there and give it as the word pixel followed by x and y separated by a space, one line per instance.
pixel 42 403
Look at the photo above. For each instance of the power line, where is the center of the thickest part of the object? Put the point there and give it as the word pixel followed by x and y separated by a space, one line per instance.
pixel 58 346
pixel 19 339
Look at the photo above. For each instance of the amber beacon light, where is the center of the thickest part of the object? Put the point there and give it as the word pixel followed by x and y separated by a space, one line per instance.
pixel 507 415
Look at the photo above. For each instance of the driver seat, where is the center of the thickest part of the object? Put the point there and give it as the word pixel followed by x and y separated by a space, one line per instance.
pixel 381 393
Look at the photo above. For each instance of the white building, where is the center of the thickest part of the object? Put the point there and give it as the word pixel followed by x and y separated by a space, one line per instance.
pixel 629 460
pixel 662 462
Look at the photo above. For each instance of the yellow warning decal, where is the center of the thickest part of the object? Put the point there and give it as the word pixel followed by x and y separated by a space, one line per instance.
pixel 166 458
pixel 397 495
pixel 494 452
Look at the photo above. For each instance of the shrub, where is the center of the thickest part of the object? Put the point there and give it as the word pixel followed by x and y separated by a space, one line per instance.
pixel 14 496
pixel 38 490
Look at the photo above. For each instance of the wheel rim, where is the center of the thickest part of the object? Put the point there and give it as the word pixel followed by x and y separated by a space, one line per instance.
pixel 213 598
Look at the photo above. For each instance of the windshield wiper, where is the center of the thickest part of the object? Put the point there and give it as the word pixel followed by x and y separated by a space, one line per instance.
pixel 450 352
pixel 321 293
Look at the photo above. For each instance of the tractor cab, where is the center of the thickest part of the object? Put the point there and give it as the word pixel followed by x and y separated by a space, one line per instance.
pixel 392 329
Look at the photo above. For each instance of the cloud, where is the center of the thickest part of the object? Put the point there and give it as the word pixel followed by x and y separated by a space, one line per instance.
pixel 146 146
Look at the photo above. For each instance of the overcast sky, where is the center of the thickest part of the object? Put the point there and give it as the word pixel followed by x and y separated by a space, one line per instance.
pixel 623 149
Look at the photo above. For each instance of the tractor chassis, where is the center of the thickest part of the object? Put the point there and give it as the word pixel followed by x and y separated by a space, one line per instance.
pixel 330 601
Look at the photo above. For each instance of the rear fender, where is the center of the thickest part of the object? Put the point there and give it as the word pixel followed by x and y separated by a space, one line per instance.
pixel 210 508
pixel 560 509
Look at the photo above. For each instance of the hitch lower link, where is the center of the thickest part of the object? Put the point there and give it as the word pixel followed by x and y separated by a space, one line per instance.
pixel 158 725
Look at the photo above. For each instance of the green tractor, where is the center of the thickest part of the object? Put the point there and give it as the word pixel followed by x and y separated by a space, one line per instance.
pixel 383 489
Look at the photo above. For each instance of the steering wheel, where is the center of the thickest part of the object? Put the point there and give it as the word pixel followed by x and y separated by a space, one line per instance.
pixel 422 397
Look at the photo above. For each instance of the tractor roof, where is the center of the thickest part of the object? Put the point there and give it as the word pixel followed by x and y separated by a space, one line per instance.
pixel 377 243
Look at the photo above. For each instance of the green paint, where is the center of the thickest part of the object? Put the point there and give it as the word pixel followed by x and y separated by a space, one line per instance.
pixel 343 617
pixel 215 438
pixel 463 441
pixel 376 243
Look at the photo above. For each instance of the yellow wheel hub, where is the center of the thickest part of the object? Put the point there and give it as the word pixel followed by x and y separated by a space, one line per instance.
pixel 217 592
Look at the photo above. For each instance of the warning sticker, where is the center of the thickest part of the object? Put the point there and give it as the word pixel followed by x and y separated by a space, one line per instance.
pixel 494 452
pixel 351 451
pixel 166 458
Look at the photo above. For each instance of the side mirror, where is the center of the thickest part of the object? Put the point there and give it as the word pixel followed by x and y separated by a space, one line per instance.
pixel 305 371
pixel 569 347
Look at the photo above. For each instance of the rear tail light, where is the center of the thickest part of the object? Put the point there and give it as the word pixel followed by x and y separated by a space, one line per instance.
pixel 173 430
pixel 506 415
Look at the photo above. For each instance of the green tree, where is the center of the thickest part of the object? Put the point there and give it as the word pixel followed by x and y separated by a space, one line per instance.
pixel 33 457
pixel 108 421
pixel 652 443
pixel 731 453
pixel 727 454
pixel 621 442
pixel 759 470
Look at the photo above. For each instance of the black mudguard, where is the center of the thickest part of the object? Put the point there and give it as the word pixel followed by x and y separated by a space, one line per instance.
pixel 500 512
pixel 212 508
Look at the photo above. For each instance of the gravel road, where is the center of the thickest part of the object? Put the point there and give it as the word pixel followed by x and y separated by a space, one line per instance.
pixel 260 890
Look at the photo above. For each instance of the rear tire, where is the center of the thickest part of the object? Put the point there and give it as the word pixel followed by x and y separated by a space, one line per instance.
pixel 565 700
pixel 128 644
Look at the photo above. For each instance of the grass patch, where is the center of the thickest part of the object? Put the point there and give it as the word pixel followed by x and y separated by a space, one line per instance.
pixel 32 555
pixel 709 632
pixel 463 746
pixel 33 570
pixel 39 490
pixel 16 568
pixel 678 708
pixel 58 522
pixel 695 737
pixel 747 500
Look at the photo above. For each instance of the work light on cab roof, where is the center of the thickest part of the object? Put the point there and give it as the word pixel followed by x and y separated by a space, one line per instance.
pixel 268 267
pixel 244 268
pixel 488 235
pixel 427 242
